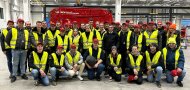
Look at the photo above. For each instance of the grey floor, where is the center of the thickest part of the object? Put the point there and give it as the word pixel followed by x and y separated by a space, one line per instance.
pixel 75 84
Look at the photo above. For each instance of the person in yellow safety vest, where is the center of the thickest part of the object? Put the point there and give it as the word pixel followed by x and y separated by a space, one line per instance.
pixel 67 27
pixel 102 31
pixel 139 39
pixel 38 61
pixel 76 39
pixel 135 64
pixel 173 33
pixel 114 63
pixel 52 33
pixel 87 38
pixel 82 27
pixel 63 40
pixel 152 35
pixel 5 47
pixel 57 64
pixel 74 62
pixel 174 62
pixel 17 39
pixel 154 64
pixel 94 57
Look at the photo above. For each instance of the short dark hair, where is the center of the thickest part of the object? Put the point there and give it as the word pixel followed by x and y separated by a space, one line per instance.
pixel 38 22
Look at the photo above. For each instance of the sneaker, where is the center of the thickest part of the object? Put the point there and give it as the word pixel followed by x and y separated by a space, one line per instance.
pixel 98 78
pixel 36 83
pixel 13 79
pixel 158 84
pixel 54 83
pixel 10 76
pixel 179 83
pixel 24 77
pixel 80 78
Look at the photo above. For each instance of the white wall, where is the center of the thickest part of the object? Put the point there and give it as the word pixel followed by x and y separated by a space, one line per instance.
pixel 6 11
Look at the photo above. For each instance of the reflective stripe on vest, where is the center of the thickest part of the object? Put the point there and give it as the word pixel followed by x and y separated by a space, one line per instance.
pixel 152 38
pixel 75 40
pixel 75 58
pixel 177 54
pixel 128 39
pixel 40 63
pixel 36 38
pixel 87 42
pixel 98 36
pixel 137 63
pixel 5 32
pixel 14 38
pixel 56 61
pixel 154 60
pixel 99 52
pixel 63 43
pixel 140 38
pixel 119 71
pixel 70 33
pixel 51 37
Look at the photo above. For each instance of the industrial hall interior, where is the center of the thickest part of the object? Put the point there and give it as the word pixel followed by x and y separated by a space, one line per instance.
pixel 94 44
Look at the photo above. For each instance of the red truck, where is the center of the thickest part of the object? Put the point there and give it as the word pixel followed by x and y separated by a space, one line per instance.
pixel 80 14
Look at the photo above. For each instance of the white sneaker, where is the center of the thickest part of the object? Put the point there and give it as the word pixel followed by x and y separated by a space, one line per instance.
pixel 80 78
pixel 77 73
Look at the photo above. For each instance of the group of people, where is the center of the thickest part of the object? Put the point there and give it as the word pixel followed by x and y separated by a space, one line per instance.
pixel 69 49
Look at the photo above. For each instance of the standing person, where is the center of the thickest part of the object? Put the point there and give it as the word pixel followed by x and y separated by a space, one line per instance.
pixel 17 39
pixel 102 31
pixel 57 64
pixel 38 61
pixel 74 62
pixel 114 64
pixel 5 47
pixel 135 66
pixel 174 62
pixel 76 39
pixel 44 26
pixel 82 27
pixel 162 33
pixel 152 35
pixel 154 64
pixel 110 39
pixel 28 26
pixel 58 25
pixel 94 57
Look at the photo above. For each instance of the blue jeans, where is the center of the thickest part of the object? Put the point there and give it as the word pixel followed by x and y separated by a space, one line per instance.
pixel 37 76
pixel 19 57
pixel 170 78
pixel 9 61
pixel 158 72
pixel 99 70
pixel 54 72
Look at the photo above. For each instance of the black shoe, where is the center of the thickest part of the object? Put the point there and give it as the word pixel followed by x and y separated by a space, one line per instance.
pixel 36 83
pixel 10 76
pixel 24 77
pixel 13 79
pixel 158 84
pixel 98 78
pixel 179 83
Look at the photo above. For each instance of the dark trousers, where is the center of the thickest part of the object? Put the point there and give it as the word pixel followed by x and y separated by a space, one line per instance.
pixel 123 66
pixel 113 74
pixel 91 72
pixel 9 61
pixel 140 78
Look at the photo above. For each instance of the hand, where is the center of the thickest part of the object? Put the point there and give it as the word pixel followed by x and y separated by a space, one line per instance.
pixel 42 73
pixel 96 66
pixel 74 69
pixel 62 69
pixel 89 66
pixel 75 66
pixel 135 71
pixel 115 68
pixel 149 67
pixel 136 77
pixel 179 70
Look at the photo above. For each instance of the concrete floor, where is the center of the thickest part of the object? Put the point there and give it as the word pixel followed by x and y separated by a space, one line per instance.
pixel 75 84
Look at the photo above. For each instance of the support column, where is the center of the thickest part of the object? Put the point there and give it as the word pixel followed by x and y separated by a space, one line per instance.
pixel 118 10
pixel 26 10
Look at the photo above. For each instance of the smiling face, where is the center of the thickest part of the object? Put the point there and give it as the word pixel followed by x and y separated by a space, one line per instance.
pixel 39 48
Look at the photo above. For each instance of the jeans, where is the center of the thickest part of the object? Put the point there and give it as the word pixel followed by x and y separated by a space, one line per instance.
pixel 158 72
pixel 9 61
pixel 99 70
pixel 54 72
pixel 19 57
pixel 170 78
pixel 37 76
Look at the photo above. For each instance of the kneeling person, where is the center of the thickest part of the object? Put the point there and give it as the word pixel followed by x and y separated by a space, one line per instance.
pixel 38 62
pixel 57 65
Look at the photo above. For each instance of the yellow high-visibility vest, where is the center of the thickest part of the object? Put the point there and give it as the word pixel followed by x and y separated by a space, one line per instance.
pixel 5 32
pixel 63 43
pixel 137 63
pixel 119 71
pixel 36 38
pixel 14 38
pixel 87 42
pixel 75 41
pixel 40 63
pixel 155 59
pixel 99 52
pixel 55 59
pixel 128 38
pixel 177 54
pixel 140 38
pixel 152 38
pixel 52 37
pixel 73 60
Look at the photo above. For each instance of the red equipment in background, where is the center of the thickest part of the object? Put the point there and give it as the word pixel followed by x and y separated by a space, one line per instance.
pixel 80 14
